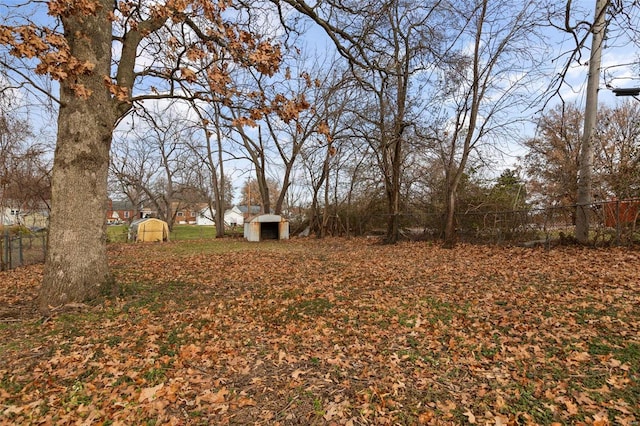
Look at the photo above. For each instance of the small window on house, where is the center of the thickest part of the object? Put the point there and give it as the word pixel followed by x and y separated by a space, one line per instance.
pixel 193 214
pixel 180 214
pixel 126 215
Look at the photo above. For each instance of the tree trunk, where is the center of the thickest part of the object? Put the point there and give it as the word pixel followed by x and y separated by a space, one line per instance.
pixel 325 208
pixel 393 224
pixel 218 183
pixel 450 236
pixel 219 220
pixel 76 268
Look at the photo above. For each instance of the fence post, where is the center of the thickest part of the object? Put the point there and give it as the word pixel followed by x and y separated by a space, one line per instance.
pixel 618 230
pixel 1 254
pixel 20 256
pixel 44 245
pixel 7 250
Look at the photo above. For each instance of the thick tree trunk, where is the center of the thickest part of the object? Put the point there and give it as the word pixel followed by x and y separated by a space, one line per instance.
pixel 393 222
pixel 219 220
pixel 393 190
pixel 76 268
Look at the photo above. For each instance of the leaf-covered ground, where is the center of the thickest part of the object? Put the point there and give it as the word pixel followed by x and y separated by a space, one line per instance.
pixel 332 332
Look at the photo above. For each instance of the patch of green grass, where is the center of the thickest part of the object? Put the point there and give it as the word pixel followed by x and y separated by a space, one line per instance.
pixel 76 396
pixel 410 355
pixel 117 233
pixel 591 313
pixel 191 232
pixel 406 320
pixel 291 293
pixel 113 341
pixel 598 347
pixel 317 407
pixel 630 354
pixel 308 308
pixel 412 342
pixel 12 386
pixel 593 379
pixel 172 341
pixel 525 401
pixel 438 310
pixel 155 376
pixel 383 323
pixel 124 379
pixel 489 351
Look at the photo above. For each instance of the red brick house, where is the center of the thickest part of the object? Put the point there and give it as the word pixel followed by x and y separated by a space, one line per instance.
pixel 121 212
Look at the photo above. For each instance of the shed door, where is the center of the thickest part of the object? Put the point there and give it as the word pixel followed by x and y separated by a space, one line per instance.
pixel 269 231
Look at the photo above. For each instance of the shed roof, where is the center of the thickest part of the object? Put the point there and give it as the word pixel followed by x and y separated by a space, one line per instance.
pixel 268 218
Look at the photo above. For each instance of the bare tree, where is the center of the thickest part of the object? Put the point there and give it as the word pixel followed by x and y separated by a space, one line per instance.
pixel 613 22
pixel 215 184
pixel 486 79
pixel 388 47
pixel 25 173
pixel 274 145
pixel 252 195
pixel 133 165
pixel 158 162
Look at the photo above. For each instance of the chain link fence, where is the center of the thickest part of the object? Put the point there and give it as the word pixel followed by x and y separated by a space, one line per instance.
pixel 22 248
pixel 611 223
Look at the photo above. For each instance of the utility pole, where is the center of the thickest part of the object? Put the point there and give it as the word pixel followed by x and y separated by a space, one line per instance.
pixel 590 114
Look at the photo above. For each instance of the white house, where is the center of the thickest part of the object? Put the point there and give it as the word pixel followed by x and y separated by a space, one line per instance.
pixel 205 217
pixel 232 217
pixel 9 216
pixel 12 216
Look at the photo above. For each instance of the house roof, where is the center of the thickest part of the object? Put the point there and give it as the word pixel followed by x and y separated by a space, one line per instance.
pixel 268 218
pixel 250 209
pixel 122 205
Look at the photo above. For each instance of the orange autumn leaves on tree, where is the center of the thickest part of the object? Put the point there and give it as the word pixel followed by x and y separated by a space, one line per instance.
pixel 51 49
pixel 64 8
pixel 206 38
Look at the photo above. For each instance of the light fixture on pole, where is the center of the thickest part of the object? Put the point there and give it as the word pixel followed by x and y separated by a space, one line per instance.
pixel 626 91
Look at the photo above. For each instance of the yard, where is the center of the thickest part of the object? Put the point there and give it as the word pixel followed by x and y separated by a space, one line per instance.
pixel 331 332
pixel 119 233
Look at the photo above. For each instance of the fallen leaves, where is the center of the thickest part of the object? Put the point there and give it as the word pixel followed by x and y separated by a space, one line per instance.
pixel 149 393
pixel 333 332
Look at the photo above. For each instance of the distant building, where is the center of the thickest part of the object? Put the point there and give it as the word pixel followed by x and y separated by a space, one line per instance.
pixel 187 214
pixel 15 214
pixel 250 211
pixel 121 211
pixel 232 217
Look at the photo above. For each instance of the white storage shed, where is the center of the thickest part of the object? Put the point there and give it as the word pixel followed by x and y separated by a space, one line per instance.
pixel 266 227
